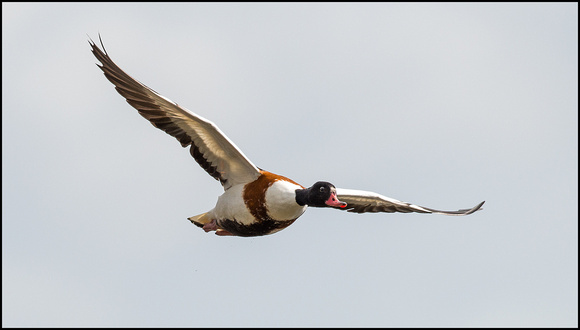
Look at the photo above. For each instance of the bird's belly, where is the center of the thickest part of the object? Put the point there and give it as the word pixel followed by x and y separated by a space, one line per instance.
pixel 231 206
pixel 258 228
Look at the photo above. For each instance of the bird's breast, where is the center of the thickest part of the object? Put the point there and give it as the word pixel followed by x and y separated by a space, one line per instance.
pixel 273 197
pixel 280 200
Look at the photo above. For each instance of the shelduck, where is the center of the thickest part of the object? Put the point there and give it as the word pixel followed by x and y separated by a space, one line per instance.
pixel 255 202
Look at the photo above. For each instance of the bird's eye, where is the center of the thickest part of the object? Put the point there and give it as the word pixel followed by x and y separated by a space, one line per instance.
pixel 322 189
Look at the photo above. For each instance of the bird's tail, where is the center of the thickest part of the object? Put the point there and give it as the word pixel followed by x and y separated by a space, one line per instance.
pixel 200 219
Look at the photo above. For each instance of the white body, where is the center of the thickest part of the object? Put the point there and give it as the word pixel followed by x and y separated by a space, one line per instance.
pixel 280 203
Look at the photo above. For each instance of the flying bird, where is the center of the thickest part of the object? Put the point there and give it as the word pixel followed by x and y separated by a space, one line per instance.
pixel 255 202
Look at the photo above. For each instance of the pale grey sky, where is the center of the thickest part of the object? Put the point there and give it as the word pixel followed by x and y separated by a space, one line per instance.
pixel 441 105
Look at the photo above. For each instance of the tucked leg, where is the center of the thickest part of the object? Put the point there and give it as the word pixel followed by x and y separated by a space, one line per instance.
pixel 223 232
pixel 210 226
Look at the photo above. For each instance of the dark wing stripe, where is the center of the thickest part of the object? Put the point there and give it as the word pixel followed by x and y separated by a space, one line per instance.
pixel 374 207
pixel 359 201
pixel 211 170
pixel 458 212
pixel 210 148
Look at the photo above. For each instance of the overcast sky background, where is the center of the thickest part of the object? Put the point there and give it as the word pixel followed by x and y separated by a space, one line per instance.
pixel 441 105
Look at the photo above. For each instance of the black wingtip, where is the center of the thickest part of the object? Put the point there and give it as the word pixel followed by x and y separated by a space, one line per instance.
pixel 102 45
pixel 474 209
pixel 458 212
pixel 478 207
pixel 93 45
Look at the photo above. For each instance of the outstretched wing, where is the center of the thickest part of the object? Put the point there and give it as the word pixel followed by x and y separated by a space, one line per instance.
pixel 212 150
pixel 365 201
